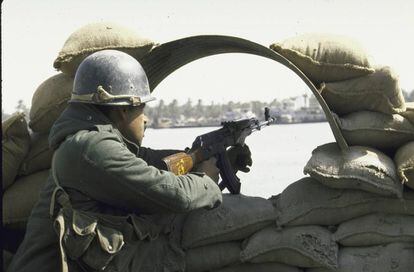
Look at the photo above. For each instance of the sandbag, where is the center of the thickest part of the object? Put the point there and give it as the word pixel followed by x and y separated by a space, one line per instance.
pixel 99 36
pixel 376 229
pixel 308 202
pixel 396 257
pixel 211 257
pixel 259 267
pixel 19 199
pixel 15 145
pixel 386 132
pixel 39 156
pixel 49 101
pixel 409 111
pixel 325 58
pixel 378 92
pixel 305 246
pixel 360 168
pixel 404 160
pixel 236 218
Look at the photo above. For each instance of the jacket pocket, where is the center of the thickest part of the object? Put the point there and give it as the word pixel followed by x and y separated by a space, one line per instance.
pixel 89 242
pixel 107 243
pixel 79 235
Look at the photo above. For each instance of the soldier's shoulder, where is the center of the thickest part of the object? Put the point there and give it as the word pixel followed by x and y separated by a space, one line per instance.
pixel 86 138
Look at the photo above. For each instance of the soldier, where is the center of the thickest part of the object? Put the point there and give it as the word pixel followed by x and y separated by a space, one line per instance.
pixel 109 204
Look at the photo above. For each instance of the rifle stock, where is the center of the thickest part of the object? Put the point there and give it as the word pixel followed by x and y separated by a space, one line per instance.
pixel 179 163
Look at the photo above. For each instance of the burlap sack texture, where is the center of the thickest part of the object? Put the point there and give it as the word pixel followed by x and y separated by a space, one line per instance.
pixel 99 36
pixel 396 257
pixel 376 229
pixel 210 257
pixel 308 202
pixel 409 111
pixel 259 267
pixel 404 159
pixel 359 168
pixel 304 246
pixel 15 145
pixel 49 101
pixel 39 156
pixel 386 132
pixel 235 219
pixel 379 91
pixel 19 199
pixel 325 58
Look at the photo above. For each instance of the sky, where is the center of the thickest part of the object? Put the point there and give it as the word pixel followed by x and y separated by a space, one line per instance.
pixel 33 33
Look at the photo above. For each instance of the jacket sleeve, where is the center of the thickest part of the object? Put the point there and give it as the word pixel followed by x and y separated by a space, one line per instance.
pixel 154 157
pixel 108 172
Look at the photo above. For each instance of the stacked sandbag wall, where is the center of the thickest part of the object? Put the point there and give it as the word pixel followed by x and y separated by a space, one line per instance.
pixel 15 147
pixel 214 240
pixel 362 194
pixel 355 210
pixel 26 153
pixel 31 171
pixel 367 101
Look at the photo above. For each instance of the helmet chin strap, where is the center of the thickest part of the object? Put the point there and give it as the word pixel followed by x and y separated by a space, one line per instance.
pixel 123 120
pixel 127 141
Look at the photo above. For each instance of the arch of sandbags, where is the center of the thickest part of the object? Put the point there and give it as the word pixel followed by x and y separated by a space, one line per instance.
pixel 168 57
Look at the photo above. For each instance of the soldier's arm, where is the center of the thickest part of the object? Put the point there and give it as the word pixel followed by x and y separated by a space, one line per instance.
pixel 108 172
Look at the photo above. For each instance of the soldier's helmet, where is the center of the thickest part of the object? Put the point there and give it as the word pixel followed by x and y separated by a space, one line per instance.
pixel 111 77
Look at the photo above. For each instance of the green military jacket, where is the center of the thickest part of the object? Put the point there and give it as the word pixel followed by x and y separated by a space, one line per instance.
pixel 103 173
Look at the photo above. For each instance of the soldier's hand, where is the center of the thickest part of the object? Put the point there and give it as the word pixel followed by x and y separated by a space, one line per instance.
pixel 240 158
pixel 209 167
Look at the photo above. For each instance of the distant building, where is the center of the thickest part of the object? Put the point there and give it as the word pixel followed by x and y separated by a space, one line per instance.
pixel 313 103
pixel 236 114
pixel 164 123
pixel 307 115
pixel 300 109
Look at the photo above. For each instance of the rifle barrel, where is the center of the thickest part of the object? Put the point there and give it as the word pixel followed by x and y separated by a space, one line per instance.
pixel 260 125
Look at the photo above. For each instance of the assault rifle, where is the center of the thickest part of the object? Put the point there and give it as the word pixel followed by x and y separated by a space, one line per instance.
pixel 215 143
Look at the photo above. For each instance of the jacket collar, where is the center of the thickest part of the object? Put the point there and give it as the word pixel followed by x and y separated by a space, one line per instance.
pixel 78 117
pixel 133 147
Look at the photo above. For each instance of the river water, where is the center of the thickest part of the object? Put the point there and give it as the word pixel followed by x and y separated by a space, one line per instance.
pixel 279 152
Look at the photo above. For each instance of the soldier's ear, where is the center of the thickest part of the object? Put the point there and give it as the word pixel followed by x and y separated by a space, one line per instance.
pixel 119 114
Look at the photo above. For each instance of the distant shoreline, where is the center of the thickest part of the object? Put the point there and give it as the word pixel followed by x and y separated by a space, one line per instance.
pixel 218 125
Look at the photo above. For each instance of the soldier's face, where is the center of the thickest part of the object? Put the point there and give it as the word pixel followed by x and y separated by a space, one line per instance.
pixel 135 124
